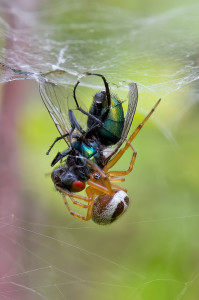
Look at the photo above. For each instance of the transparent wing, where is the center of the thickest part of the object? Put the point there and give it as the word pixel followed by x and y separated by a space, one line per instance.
pixel 56 106
pixel 132 104
pixel 58 99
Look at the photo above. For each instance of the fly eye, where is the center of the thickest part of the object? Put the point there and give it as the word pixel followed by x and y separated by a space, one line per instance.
pixel 108 208
pixel 77 186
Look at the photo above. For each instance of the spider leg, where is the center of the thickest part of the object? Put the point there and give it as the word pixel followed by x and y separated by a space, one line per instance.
pixel 75 202
pixel 73 195
pixel 73 213
pixel 116 179
pixel 90 199
pixel 116 187
pixel 113 161
pixel 100 188
pixel 123 173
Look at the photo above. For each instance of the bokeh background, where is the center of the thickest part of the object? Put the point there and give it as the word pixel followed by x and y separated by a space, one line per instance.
pixel 152 252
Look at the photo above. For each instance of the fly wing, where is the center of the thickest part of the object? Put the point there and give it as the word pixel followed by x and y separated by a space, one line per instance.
pixel 132 104
pixel 56 100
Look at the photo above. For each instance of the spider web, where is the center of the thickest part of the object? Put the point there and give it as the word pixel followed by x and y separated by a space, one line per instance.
pixel 152 252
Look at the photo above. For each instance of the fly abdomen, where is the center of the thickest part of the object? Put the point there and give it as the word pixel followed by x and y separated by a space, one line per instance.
pixel 113 126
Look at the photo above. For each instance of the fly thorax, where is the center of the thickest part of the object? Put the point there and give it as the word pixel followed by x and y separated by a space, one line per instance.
pixel 87 151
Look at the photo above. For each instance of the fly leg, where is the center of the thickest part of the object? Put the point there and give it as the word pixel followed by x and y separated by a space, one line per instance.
pixel 60 156
pixel 55 141
pixel 108 95
pixel 99 122
pixel 81 109
pixel 74 124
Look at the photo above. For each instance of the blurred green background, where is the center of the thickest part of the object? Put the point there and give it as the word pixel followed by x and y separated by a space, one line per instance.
pixel 152 252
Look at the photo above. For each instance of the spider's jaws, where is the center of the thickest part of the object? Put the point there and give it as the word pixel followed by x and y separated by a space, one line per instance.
pixel 108 208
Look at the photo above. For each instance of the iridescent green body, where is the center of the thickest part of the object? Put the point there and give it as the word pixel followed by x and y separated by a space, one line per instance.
pixel 113 126
pixel 87 150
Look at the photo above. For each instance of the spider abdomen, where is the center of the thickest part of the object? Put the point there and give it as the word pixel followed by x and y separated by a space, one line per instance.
pixel 107 209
